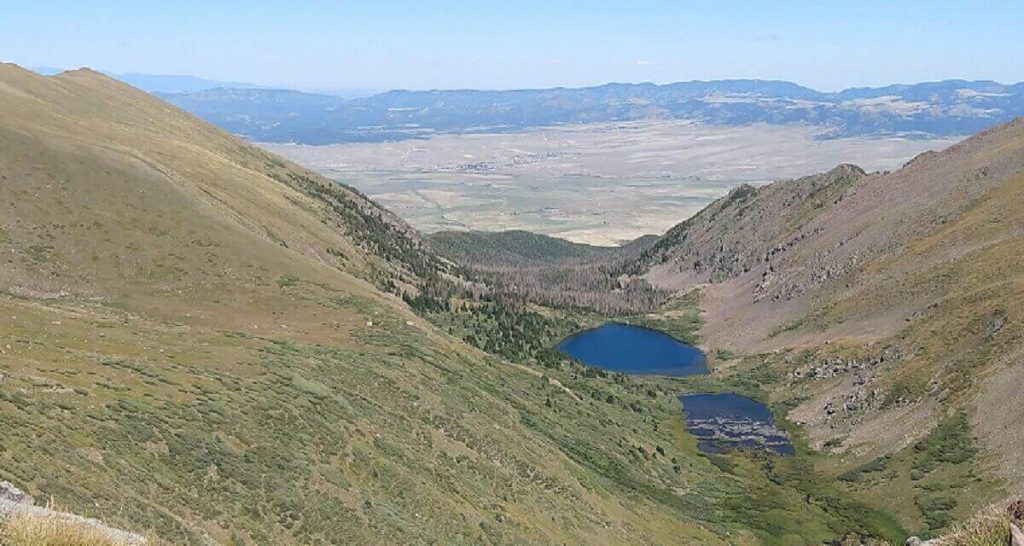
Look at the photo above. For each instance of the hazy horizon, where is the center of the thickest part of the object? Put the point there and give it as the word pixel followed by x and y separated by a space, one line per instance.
pixel 403 45
pixel 50 70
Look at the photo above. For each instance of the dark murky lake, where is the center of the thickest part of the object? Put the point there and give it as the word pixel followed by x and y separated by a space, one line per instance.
pixel 729 421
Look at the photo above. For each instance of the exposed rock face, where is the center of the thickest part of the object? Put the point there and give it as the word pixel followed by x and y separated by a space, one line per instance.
pixel 1016 510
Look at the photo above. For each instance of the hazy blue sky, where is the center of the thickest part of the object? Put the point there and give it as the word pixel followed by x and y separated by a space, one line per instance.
pixel 503 44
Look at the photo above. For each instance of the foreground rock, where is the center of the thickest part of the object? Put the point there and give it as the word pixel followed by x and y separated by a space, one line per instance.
pixel 16 503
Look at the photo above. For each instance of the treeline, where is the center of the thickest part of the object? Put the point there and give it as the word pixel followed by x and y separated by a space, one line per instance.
pixel 374 229
pixel 599 287
pixel 493 309
pixel 514 248
pixel 553 272
pixel 500 326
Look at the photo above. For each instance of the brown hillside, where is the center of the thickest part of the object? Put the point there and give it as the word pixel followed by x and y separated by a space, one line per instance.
pixel 895 298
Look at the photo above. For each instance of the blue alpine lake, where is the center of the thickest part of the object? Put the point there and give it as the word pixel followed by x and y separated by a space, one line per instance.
pixel 726 421
pixel 635 350
pixel 721 422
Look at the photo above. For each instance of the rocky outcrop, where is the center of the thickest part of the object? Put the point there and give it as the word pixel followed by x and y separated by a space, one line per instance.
pixel 10 493
pixel 751 229
pixel 837 365
pixel 15 503
pixel 1016 535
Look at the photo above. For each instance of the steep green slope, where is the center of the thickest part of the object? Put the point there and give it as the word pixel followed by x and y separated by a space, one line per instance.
pixel 199 340
pixel 193 348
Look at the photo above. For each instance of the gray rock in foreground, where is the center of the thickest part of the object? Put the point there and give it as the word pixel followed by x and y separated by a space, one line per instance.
pixel 14 502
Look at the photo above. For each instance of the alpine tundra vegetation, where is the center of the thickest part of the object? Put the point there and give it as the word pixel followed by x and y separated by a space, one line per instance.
pixel 500 301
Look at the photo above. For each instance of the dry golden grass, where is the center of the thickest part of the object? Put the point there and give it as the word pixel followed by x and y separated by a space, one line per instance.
pixel 989 528
pixel 27 530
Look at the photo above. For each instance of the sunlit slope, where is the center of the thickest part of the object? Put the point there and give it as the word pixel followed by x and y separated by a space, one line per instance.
pixel 112 195
pixel 194 345
pixel 804 245
pixel 200 340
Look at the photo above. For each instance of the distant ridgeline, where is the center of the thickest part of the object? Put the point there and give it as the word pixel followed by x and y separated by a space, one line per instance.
pixel 947 108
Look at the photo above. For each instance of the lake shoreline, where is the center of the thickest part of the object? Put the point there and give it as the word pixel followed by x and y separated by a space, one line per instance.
pixel 721 422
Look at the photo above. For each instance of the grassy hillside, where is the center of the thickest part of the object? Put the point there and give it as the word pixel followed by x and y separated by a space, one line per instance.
pixel 201 341
pixel 196 346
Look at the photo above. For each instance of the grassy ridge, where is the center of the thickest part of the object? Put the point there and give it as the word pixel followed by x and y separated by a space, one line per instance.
pixel 513 248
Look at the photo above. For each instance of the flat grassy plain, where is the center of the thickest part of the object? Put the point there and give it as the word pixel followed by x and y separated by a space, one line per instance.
pixel 599 211
pixel 597 183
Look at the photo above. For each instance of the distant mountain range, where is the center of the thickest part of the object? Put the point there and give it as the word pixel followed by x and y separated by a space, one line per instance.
pixel 947 108
pixel 171 83
pixel 161 83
